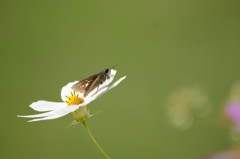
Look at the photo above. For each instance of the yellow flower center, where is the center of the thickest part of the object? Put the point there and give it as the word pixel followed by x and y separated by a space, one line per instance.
pixel 74 99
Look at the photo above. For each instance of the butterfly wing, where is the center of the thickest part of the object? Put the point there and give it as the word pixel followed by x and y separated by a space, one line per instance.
pixel 85 85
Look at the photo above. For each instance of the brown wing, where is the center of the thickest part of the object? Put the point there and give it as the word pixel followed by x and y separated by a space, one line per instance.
pixel 84 85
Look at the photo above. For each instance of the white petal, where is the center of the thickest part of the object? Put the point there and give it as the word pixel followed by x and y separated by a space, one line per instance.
pixel 49 117
pixel 116 83
pixel 46 106
pixel 62 111
pixel 102 91
pixel 35 115
pixel 112 75
pixel 66 90
pixel 97 89
pixel 89 99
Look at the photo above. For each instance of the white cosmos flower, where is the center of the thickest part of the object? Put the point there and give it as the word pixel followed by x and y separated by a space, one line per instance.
pixel 73 102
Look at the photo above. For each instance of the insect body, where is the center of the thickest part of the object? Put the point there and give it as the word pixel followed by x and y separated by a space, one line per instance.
pixel 87 85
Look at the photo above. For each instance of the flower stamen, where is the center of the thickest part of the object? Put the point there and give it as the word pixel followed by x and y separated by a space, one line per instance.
pixel 74 99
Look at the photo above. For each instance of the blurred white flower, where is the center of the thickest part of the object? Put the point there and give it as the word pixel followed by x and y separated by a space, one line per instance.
pixel 73 102
pixel 186 104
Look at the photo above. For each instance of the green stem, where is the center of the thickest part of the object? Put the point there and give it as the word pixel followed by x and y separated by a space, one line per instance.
pixel 94 141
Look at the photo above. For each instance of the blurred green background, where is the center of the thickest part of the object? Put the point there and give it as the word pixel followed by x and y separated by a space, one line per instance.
pixel 162 46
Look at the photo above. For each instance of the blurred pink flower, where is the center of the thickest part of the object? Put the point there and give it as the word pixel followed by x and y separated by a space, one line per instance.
pixel 225 155
pixel 232 111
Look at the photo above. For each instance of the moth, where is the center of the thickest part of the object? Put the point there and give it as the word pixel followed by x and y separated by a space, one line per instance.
pixel 87 85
